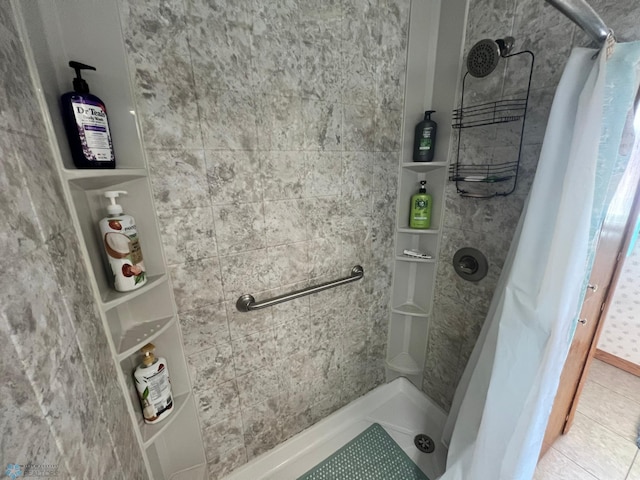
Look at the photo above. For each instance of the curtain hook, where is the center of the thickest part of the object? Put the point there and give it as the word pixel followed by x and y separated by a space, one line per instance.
pixel 610 43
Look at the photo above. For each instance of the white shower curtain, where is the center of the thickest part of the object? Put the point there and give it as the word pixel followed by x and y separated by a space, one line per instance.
pixel 501 407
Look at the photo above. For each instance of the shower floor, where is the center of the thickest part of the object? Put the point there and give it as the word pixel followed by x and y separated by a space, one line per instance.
pixel 399 407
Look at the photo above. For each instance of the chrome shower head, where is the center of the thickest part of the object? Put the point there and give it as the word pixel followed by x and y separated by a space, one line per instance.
pixel 484 56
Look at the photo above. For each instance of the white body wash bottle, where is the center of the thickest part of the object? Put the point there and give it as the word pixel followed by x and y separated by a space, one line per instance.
pixel 120 238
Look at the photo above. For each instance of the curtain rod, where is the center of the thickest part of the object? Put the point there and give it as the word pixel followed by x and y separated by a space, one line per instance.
pixel 581 13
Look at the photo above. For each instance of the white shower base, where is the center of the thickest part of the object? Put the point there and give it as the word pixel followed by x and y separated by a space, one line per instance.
pixel 399 407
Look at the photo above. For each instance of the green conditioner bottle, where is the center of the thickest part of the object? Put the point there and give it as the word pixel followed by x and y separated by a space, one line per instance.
pixel 421 204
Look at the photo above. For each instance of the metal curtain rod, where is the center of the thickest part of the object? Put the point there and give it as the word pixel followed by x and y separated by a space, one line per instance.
pixel 581 13
pixel 247 303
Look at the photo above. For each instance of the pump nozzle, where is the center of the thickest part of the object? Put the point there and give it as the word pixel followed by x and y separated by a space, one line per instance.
pixel 427 114
pixel 147 354
pixel 114 208
pixel 79 84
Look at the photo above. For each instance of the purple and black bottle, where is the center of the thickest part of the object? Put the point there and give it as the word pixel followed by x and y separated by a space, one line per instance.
pixel 86 123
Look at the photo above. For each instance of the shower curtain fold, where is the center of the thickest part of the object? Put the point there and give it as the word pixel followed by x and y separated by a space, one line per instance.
pixel 500 410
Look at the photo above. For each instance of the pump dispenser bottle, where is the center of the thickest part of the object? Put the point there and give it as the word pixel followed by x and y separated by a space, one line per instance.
pixel 424 142
pixel 153 386
pixel 86 123
pixel 121 243
pixel 421 204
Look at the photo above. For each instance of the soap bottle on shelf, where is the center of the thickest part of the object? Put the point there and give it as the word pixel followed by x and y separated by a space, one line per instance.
pixel 153 386
pixel 86 124
pixel 120 237
pixel 424 141
pixel 421 203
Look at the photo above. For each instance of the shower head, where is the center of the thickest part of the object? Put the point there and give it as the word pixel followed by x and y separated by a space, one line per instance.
pixel 484 56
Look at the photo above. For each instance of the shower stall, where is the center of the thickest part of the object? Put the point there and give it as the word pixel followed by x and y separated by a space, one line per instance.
pixel 274 363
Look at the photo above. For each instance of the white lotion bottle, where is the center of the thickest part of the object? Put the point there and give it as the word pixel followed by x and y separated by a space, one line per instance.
pixel 153 386
pixel 120 239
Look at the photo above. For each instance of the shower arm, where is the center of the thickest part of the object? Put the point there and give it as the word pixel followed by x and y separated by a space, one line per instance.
pixel 581 13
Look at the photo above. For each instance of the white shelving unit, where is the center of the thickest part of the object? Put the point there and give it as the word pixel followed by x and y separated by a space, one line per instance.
pixel 435 43
pixel 90 32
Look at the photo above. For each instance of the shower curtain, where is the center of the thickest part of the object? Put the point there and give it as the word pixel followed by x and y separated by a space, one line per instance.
pixel 500 410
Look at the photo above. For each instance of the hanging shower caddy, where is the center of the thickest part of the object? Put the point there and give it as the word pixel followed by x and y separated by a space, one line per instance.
pixel 494 177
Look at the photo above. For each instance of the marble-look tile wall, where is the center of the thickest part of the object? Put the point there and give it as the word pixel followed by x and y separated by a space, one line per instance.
pixel 459 306
pixel 272 134
pixel 61 403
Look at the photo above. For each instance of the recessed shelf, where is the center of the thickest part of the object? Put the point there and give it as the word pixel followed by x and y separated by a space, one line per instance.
pixel 112 298
pixel 427 231
pixel 151 432
pixel 423 166
pixel 135 338
pixel 199 472
pixel 61 31
pixel 410 309
pixel 406 258
pixel 404 363
pixel 91 179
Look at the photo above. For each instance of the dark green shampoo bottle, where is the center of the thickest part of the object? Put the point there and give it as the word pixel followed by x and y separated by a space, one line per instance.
pixel 424 142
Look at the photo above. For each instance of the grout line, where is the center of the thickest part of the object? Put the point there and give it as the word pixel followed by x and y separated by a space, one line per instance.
pixel 611 390
pixel 605 426
pixel 635 457
pixel 575 463
pixel 612 393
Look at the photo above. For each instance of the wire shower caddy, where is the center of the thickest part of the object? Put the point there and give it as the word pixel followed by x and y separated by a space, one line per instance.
pixel 490 175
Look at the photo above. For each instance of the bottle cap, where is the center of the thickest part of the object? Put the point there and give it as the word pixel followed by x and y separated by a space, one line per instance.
pixel 114 208
pixel 79 84
pixel 147 352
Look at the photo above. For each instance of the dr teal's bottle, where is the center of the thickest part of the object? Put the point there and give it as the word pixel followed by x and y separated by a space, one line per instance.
pixel 86 123
pixel 421 204
pixel 424 141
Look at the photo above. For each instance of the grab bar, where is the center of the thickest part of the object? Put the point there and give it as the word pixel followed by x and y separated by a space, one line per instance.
pixel 247 303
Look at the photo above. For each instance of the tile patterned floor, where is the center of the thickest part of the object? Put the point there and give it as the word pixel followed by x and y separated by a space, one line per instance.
pixel 601 443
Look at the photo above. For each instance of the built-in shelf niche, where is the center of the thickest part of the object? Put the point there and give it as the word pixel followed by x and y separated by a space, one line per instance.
pixel 413 287
pixel 406 349
pixel 90 32
pixel 90 205
pixel 172 453
pixel 410 182
pixel 138 321
pixel 422 243
pixel 435 30
pixel 165 344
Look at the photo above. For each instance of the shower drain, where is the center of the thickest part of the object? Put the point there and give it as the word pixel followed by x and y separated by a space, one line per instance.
pixel 424 443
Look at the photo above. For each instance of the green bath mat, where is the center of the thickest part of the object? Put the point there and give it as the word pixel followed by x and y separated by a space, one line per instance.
pixel 372 455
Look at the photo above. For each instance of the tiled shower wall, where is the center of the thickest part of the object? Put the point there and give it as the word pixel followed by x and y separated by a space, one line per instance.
pixel 61 402
pixel 460 307
pixel 272 134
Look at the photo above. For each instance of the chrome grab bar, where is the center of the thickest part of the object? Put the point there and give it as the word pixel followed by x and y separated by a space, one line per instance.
pixel 247 303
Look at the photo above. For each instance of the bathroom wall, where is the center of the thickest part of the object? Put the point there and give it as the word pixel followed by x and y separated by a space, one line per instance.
pixel 272 133
pixel 621 332
pixel 61 401
pixel 488 224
